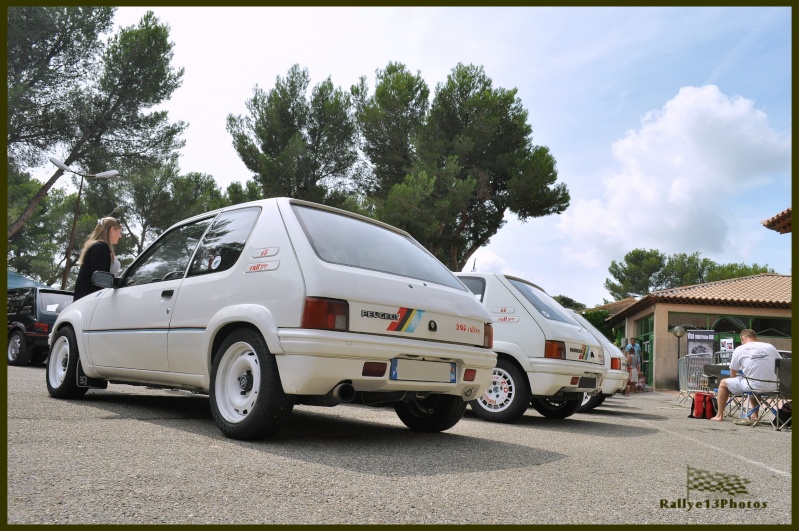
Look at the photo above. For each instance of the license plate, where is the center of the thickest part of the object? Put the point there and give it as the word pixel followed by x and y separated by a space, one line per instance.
pixel 422 371
pixel 587 382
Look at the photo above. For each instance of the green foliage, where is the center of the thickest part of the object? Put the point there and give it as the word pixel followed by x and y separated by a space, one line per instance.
pixel 52 52
pixel 637 275
pixel 598 318
pixel 34 250
pixel 643 271
pixel 446 171
pixel 682 269
pixel 568 302
pixel 389 122
pixel 726 271
pixel 236 193
pixel 101 119
pixel 297 146
pixel 477 143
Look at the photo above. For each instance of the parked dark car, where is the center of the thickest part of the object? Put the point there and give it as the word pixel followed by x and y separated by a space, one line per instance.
pixel 31 313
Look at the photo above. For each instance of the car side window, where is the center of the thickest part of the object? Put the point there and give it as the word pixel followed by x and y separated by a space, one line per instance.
pixel 476 285
pixel 546 305
pixel 223 243
pixel 16 298
pixel 169 256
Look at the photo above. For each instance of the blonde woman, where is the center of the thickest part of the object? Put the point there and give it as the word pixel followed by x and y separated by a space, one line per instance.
pixel 98 255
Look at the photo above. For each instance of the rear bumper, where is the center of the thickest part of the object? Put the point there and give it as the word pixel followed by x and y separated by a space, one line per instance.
pixel 315 361
pixel 615 381
pixel 549 377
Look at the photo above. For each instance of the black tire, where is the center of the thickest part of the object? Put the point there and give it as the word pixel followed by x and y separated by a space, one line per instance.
pixel 247 398
pixel 553 408
pixel 18 351
pixel 62 367
pixel 590 402
pixel 507 398
pixel 431 415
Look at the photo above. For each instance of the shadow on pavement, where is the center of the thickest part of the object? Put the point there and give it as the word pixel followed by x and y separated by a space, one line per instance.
pixel 315 436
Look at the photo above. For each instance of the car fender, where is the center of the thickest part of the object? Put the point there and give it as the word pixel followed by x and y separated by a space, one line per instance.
pixel 254 314
pixel 15 326
pixel 514 351
pixel 78 315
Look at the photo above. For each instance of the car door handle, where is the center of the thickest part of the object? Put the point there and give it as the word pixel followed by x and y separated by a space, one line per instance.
pixel 167 293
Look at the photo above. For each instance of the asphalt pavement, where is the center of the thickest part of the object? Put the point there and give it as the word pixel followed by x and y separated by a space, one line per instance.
pixel 133 455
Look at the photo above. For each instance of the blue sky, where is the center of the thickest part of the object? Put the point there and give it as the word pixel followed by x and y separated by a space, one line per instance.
pixel 670 126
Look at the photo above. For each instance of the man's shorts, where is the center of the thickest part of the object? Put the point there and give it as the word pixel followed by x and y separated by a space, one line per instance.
pixel 739 386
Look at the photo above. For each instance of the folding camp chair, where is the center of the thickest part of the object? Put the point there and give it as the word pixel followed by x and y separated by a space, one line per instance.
pixel 785 391
pixel 714 374
pixel 768 402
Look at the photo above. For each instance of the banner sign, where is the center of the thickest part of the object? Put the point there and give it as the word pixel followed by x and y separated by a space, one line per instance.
pixel 701 341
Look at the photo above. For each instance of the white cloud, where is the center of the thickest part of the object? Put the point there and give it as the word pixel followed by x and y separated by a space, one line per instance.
pixel 675 176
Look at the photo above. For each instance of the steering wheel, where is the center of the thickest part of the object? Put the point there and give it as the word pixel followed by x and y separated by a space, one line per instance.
pixel 172 275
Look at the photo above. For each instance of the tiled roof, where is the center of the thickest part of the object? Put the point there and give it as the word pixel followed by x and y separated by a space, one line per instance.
pixel 616 306
pixel 781 222
pixel 766 290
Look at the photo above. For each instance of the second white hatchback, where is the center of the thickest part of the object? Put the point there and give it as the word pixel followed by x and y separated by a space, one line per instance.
pixel 544 357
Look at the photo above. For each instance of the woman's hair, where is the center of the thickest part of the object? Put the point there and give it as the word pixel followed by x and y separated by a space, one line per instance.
pixel 100 234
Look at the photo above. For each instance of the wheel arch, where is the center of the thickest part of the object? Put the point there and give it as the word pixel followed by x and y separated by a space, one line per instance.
pixel 231 318
pixel 16 327
pixel 514 356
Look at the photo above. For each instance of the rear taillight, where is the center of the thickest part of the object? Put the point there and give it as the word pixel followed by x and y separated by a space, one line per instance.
pixel 41 328
pixel 555 350
pixel 326 314
pixel 615 364
pixel 488 336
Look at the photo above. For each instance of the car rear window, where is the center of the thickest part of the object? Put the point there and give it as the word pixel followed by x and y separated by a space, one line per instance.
pixel 353 242
pixel 53 303
pixel 546 305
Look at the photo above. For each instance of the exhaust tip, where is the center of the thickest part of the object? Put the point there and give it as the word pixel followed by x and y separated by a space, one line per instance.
pixel 343 392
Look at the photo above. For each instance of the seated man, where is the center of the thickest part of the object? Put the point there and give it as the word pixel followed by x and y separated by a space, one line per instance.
pixel 756 360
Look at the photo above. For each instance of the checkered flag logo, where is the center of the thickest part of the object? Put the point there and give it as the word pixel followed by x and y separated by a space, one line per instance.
pixel 716 482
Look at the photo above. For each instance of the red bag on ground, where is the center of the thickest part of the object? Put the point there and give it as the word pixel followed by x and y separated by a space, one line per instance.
pixel 704 406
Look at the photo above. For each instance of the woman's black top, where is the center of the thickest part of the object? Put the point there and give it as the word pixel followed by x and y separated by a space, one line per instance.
pixel 97 258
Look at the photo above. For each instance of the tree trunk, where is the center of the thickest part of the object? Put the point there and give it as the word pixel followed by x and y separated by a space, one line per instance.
pixel 28 212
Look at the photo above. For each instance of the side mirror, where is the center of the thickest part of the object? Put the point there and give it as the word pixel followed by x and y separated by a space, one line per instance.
pixel 104 279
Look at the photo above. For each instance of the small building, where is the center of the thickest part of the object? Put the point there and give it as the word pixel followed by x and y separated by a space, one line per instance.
pixel 760 302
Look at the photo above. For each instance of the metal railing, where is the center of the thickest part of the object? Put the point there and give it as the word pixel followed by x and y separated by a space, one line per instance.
pixel 722 357
pixel 690 372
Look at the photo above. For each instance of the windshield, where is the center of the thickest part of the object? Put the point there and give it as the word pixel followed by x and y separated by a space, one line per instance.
pixel 353 242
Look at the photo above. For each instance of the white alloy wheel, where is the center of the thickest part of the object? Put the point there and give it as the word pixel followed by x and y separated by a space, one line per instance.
pixel 507 397
pixel 586 399
pixel 59 362
pixel 500 393
pixel 238 380
pixel 18 353
pixel 14 345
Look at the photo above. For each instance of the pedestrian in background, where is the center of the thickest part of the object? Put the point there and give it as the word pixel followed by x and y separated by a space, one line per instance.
pixel 98 255
pixel 634 364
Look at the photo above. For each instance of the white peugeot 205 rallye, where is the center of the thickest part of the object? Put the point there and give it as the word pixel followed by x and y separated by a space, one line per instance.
pixel 545 358
pixel 278 302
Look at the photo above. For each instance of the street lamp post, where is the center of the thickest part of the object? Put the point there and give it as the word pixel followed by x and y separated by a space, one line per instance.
pixel 678 331
pixel 102 175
